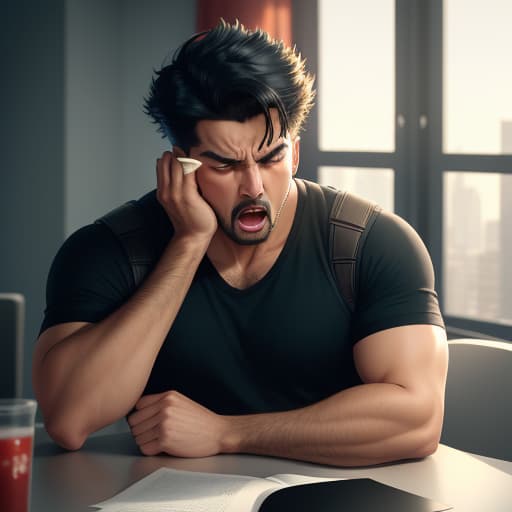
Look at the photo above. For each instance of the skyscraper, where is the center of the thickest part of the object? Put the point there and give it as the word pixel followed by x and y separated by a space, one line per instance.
pixel 466 205
pixel 463 247
pixel 506 227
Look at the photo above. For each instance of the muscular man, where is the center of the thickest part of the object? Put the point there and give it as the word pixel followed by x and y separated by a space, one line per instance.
pixel 238 340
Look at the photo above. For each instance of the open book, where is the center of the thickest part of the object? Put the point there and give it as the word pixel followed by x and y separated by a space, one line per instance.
pixel 169 490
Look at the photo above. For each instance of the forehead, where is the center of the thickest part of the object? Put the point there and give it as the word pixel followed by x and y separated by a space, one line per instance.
pixel 233 135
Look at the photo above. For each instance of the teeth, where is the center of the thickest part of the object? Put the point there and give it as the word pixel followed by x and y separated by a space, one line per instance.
pixel 253 210
pixel 188 164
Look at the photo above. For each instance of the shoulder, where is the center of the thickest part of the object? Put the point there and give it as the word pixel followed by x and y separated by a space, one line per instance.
pixel 88 240
pixel 88 253
pixel 141 227
pixel 316 193
pixel 89 277
pixel 95 252
pixel 396 281
pixel 91 273
pixel 393 245
pixel 316 200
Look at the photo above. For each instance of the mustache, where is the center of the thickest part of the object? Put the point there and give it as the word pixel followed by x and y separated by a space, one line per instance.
pixel 247 203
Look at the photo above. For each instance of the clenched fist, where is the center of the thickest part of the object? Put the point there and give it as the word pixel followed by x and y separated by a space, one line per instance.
pixel 174 424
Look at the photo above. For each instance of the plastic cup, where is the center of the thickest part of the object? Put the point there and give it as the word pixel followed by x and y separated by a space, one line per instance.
pixel 16 441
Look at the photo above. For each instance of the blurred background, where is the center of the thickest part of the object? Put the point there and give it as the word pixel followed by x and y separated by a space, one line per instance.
pixel 414 110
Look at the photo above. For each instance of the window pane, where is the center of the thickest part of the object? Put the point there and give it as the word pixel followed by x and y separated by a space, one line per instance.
pixel 477 76
pixel 376 184
pixel 356 75
pixel 478 246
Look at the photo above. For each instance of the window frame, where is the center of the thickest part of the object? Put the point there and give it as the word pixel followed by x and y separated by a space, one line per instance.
pixel 418 161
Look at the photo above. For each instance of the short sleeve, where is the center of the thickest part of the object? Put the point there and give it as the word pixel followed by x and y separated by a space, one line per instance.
pixel 396 284
pixel 89 278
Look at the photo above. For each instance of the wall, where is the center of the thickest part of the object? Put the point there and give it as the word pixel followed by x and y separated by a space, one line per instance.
pixel 32 152
pixel 112 49
pixel 144 51
pixel 93 108
pixel 74 140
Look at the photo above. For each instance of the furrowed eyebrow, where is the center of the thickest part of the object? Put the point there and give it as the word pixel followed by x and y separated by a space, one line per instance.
pixel 272 154
pixel 233 161
pixel 220 159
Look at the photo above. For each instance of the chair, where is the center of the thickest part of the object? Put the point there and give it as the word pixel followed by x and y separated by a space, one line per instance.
pixel 478 404
pixel 12 320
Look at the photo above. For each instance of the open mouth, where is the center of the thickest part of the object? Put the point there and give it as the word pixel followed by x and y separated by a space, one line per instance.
pixel 252 219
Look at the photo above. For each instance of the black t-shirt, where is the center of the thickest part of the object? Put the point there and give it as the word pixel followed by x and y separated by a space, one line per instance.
pixel 284 342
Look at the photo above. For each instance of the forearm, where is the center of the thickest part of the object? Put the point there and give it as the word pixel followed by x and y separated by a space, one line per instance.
pixel 364 425
pixel 96 375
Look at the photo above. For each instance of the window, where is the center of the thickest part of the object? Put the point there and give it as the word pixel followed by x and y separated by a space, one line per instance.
pixel 414 111
pixel 373 183
pixel 347 96
pixel 475 166
pixel 477 77
pixel 477 246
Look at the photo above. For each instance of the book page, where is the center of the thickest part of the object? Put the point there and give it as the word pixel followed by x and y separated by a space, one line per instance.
pixel 170 490
pixel 291 479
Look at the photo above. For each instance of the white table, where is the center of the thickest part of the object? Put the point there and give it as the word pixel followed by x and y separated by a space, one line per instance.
pixel 71 481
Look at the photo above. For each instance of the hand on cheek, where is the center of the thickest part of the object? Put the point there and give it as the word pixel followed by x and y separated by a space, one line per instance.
pixel 178 194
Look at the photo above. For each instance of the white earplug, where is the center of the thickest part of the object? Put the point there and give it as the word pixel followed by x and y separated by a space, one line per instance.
pixel 188 164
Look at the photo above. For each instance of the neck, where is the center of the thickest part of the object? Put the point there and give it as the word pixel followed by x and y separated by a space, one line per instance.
pixel 285 199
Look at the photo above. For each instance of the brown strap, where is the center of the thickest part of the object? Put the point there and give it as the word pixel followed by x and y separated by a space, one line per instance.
pixel 349 221
pixel 127 224
pixel 349 218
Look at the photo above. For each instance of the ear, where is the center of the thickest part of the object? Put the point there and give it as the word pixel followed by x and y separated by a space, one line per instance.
pixel 295 155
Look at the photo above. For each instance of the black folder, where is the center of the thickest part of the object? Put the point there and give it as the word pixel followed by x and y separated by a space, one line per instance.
pixel 353 495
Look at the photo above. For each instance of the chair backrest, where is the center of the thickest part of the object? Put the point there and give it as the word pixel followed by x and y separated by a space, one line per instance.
pixel 12 320
pixel 478 405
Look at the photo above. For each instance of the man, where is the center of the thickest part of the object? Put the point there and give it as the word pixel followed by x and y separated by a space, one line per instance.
pixel 238 340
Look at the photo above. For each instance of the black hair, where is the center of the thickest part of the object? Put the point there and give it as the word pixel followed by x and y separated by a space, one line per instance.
pixel 229 73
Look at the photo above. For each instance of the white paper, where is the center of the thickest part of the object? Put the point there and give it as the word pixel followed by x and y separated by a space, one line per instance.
pixel 189 164
pixel 170 490
pixel 290 479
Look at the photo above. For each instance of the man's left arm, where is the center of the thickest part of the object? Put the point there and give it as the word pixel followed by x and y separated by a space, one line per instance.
pixel 395 414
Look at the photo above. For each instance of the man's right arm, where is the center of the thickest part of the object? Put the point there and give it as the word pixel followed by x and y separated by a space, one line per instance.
pixel 86 375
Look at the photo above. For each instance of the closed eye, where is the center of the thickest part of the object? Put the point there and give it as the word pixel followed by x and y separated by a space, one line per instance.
pixel 273 160
pixel 222 167
pixel 276 155
pixel 223 162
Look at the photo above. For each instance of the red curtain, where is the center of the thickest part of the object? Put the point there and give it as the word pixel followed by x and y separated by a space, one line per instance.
pixel 273 16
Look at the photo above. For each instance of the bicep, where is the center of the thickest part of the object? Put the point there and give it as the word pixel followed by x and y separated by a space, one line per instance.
pixel 396 283
pixel 414 357
pixel 90 277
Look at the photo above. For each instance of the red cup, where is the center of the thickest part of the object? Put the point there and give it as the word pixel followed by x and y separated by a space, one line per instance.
pixel 16 440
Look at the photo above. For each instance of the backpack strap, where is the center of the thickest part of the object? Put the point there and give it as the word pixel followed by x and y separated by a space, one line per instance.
pixel 350 218
pixel 127 223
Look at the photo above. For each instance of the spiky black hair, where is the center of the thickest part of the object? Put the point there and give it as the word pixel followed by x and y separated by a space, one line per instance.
pixel 229 73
